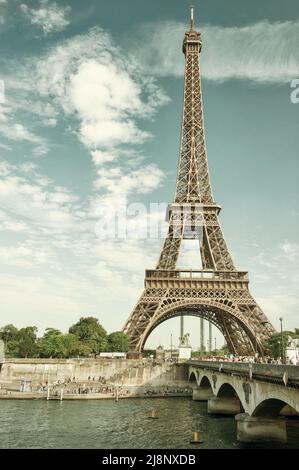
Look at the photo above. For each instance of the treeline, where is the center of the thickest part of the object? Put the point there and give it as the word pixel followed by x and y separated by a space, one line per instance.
pixel 86 338
pixel 278 342
pixel 223 351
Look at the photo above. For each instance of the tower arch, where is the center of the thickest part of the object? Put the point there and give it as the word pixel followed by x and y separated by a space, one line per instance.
pixel 222 316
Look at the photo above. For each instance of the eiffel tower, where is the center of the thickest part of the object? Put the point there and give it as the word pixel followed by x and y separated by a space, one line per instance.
pixel 217 292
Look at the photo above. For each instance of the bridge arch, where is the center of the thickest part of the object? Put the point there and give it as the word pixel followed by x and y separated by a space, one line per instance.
pixel 271 407
pixel 224 315
pixel 192 377
pixel 226 390
pixel 272 403
pixel 205 383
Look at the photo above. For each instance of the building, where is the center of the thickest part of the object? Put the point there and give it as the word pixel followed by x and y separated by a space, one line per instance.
pixel 292 351
pixel 163 355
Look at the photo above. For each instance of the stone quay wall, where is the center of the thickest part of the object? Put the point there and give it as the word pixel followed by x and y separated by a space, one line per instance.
pixel 123 372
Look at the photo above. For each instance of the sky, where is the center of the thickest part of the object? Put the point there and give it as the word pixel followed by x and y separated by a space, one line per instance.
pixel 90 110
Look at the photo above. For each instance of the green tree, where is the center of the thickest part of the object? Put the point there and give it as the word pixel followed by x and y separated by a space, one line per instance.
pixel 277 343
pixel 26 339
pixel 118 342
pixel 55 344
pixel 223 351
pixel 90 332
pixel 8 333
pixel 12 348
pixel 52 345
pixel 51 332
pixel 74 347
pixel 84 350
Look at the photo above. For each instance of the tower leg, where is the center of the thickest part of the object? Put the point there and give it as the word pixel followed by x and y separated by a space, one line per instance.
pixel 202 335
pixel 182 326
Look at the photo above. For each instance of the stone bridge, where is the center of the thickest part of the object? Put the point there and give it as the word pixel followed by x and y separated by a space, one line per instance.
pixel 260 396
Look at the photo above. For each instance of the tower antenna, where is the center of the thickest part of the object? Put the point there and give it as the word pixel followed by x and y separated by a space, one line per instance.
pixel 192 16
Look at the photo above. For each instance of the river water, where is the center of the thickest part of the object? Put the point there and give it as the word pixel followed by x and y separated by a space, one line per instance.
pixel 105 424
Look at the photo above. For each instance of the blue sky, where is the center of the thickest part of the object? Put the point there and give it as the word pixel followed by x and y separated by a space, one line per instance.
pixel 91 118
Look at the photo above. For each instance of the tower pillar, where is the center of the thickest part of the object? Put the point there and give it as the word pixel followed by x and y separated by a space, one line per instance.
pixel 202 335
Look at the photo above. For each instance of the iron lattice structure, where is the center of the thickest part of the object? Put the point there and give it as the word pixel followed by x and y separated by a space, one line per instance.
pixel 216 292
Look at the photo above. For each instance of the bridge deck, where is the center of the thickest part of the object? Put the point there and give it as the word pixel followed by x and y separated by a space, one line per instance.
pixel 286 374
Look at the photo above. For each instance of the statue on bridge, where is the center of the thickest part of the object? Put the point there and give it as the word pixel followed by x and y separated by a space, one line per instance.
pixel 184 341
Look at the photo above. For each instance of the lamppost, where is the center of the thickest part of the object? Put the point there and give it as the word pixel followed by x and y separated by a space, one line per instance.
pixel 281 339
pixel 279 345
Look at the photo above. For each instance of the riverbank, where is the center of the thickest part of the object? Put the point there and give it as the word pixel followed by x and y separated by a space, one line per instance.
pixel 90 396
pixel 92 379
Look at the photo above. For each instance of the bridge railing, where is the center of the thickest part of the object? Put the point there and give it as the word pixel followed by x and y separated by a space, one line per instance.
pixel 286 374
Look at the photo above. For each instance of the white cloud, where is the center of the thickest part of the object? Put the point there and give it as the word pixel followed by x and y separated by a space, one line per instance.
pixel 53 221
pixel 28 196
pixel 115 92
pixel 142 180
pixel 25 255
pixel 275 282
pixel 2 18
pixel 263 52
pixel 105 93
pixel 281 258
pixel 108 134
pixel 281 303
pixel 125 255
pixel 40 150
pixel 23 105
pixel 263 259
pixel 91 79
pixel 49 17
pixel 290 250
pixel 5 147
pixel 101 93
pixel 99 157
pixel 51 122
pixel 10 224
pixel 15 131
pixel 61 300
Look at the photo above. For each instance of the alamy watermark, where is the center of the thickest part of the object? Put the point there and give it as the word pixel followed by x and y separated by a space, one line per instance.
pixel 294 97
pixel 140 222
